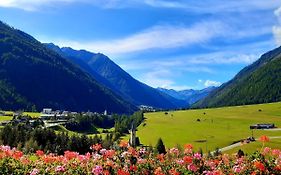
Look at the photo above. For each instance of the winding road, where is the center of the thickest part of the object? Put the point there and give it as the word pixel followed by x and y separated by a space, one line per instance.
pixel 240 144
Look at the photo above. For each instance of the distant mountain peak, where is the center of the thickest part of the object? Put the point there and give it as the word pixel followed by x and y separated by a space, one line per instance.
pixel 189 95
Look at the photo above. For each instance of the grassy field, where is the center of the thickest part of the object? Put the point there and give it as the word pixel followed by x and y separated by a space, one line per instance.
pixel 5 118
pixel 217 127
pixel 32 114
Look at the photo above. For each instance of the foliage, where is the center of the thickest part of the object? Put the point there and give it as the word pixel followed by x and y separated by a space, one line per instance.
pixel 160 146
pixel 90 123
pixel 123 123
pixel 28 139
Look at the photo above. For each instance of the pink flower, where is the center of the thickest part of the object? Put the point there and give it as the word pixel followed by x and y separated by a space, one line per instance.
pixel 197 156
pixel 102 151
pixel 34 171
pixel 237 169
pixel 180 162
pixel 59 169
pixel 192 167
pixel 174 151
pixel 97 170
pixel 276 152
pixel 266 150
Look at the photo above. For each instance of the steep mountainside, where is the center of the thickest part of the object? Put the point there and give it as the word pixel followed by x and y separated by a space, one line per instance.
pixel 190 96
pixel 259 82
pixel 119 81
pixel 32 75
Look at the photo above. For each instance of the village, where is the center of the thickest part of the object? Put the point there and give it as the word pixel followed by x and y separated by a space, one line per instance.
pixel 47 118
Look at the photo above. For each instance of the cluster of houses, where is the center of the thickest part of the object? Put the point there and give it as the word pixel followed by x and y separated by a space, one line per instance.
pixel 47 117
pixel 147 108
pixel 48 114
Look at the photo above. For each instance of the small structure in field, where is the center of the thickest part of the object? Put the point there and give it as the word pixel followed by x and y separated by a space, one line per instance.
pixel 263 126
pixel 133 136
pixel 47 111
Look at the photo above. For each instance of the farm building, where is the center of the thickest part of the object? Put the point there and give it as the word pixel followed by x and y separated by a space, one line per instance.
pixel 262 126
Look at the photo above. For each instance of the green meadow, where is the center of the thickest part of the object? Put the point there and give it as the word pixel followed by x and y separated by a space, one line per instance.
pixel 209 129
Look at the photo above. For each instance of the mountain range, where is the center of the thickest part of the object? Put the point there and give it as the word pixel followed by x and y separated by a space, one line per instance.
pixel 109 74
pixel 35 75
pixel 190 96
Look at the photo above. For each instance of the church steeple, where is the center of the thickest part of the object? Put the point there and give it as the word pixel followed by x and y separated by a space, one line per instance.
pixel 132 141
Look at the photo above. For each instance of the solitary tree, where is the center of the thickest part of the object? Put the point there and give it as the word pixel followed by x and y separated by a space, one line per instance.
pixel 160 147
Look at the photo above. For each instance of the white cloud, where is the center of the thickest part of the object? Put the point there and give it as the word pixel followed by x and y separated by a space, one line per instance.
pixel 211 83
pixel 277 34
pixel 208 6
pixel 164 3
pixel 276 30
pixel 30 5
pixel 224 57
pixel 163 78
pixel 157 37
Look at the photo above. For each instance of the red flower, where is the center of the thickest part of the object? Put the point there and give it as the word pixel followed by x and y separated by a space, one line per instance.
pixel 17 155
pixel 70 155
pixel 122 172
pixel 259 166
pixel 160 157
pixel 173 172
pixel 187 159
pixel 133 168
pixel 39 153
pixel 188 146
pixel 96 147
pixel 158 171
pixel 264 138
pixel 278 168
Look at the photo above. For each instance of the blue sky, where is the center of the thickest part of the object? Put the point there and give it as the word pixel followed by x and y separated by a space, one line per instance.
pixel 177 44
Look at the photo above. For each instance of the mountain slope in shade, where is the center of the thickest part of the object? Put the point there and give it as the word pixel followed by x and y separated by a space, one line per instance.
pixel 115 78
pixel 259 82
pixel 190 96
pixel 31 74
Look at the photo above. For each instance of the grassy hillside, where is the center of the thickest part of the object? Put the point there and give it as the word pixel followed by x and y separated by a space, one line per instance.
pixel 218 127
pixel 256 83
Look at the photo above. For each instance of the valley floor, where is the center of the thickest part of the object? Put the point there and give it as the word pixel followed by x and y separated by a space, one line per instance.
pixel 208 129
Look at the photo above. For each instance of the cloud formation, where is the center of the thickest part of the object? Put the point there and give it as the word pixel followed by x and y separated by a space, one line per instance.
pixel 157 37
pixel 30 5
pixel 208 6
pixel 209 83
pixel 276 29
pixel 162 78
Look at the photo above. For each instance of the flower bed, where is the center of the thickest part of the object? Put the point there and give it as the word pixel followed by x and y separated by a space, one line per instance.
pixel 126 160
